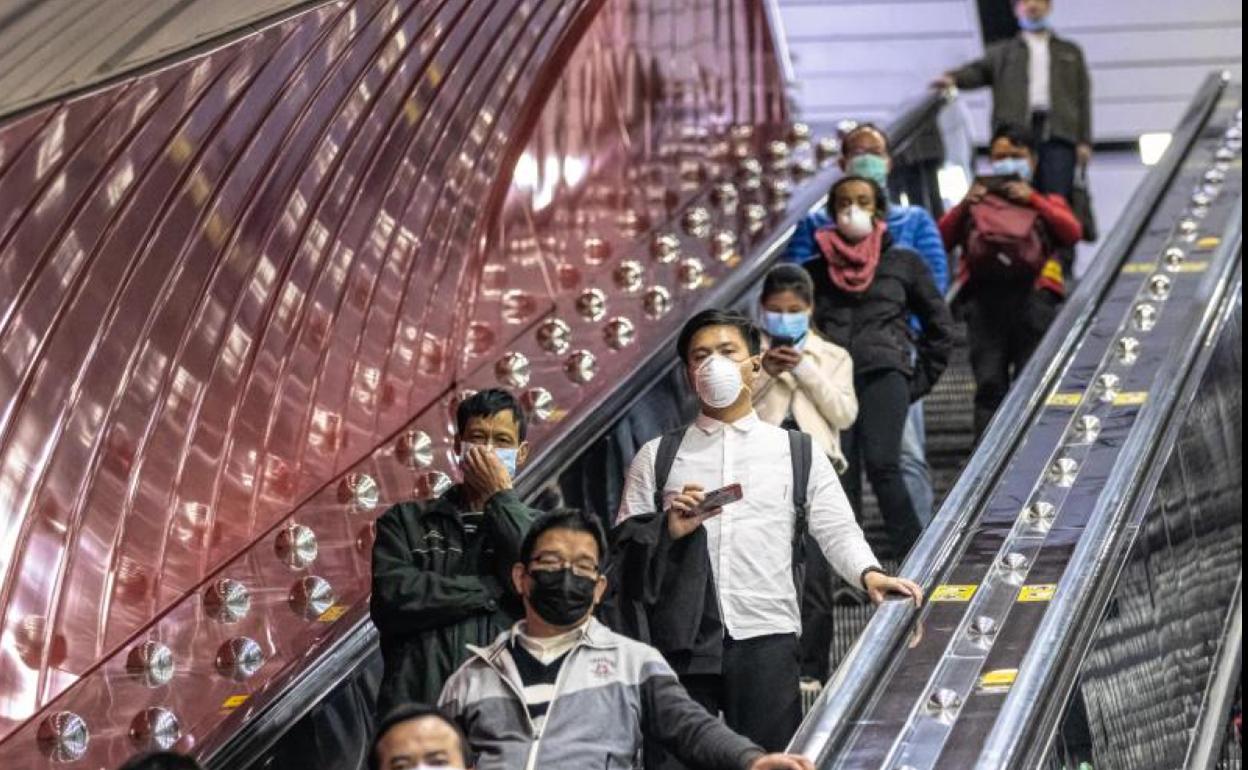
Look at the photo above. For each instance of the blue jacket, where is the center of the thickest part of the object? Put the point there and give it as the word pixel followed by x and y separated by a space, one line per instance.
pixel 911 227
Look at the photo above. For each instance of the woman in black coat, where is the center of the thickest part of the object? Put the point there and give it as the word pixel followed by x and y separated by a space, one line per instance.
pixel 866 290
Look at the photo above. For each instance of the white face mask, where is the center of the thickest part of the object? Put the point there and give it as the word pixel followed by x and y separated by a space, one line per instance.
pixel 718 382
pixel 854 223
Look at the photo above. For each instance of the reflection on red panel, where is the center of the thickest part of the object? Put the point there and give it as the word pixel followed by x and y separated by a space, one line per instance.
pixel 239 296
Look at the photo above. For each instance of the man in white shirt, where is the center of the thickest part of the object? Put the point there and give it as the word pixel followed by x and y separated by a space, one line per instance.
pixel 749 542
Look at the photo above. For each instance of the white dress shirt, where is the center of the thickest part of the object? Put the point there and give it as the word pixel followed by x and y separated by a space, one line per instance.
pixel 751 542
pixel 1038 71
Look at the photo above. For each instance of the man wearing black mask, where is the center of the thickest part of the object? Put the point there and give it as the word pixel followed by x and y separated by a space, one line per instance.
pixel 560 691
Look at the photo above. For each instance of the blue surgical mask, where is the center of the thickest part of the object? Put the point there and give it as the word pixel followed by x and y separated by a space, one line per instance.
pixel 1019 167
pixel 1029 25
pixel 508 456
pixel 870 166
pixel 791 325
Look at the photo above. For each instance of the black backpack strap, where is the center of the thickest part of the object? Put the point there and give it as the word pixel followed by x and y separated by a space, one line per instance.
pixel 669 445
pixel 801 453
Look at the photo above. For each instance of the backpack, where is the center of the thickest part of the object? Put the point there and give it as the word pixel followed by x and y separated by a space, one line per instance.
pixel 1005 242
pixel 800 453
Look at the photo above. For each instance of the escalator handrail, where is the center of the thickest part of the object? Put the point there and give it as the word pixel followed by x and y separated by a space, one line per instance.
pixel 1087 582
pixel 305 688
pixel 827 724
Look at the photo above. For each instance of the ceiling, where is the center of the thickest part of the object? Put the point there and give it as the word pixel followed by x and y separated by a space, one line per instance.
pixel 862 59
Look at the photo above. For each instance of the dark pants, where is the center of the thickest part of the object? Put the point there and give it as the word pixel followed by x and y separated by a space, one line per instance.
pixel 759 692
pixel 1055 164
pixel 1003 326
pixel 817 603
pixel 875 443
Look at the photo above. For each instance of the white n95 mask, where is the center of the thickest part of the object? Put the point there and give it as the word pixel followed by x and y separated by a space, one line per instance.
pixel 718 382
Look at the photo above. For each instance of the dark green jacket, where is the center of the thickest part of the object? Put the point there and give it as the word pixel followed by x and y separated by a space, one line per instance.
pixel 1004 67
pixel 437 589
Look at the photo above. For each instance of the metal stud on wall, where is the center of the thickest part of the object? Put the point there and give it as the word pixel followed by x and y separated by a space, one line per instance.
pixel 63 736
pixel 155 729
pixel 619 333
pixel 554 336
pixel 310 597
pixel 657 302
pixel 538 403
pixel 239 658
pixel 296 546
pixel 150 663
pixel 580 367
pixel 227 601
pixel 431 485
pixel 513 370
pixel 414 448
pixel 360 491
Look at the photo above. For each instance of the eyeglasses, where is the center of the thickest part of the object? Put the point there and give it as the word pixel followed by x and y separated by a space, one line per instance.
pixel 552 563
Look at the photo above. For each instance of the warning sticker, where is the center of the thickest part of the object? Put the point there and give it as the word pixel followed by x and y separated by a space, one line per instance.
pixel 1064 399
pixel 334 612
pixel 1208 243
pixel 1194 266
pixel 1130 398
pixel 234 701
pixel 948 593
pixel 1134 268
pixel 1042 592
pixel 998 680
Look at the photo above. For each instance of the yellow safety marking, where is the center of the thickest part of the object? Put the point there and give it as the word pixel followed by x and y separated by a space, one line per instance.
pixel 1134 268
pixel 1041 592
pixel 1195 266
pixel 334 612
pixel 1064 399
pixel 234 701
pixel 1130 398
pixel 998 680
pixel 1208 243
pixel 953 593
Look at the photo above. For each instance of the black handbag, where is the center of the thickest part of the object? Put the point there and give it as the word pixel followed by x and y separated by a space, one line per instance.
pixel 1081 205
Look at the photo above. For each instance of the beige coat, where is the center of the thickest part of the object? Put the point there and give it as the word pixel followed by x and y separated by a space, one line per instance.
pixel 820 393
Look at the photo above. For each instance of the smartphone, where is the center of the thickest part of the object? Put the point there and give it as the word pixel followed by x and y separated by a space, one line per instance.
pixel 995 183
pixel 781 341
pixel 718 498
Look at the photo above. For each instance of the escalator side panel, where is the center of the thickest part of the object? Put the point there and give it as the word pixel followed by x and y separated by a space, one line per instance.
pixel 1145 676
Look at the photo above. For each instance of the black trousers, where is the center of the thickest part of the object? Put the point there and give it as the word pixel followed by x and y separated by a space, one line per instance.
pixel 1003 326
pixel 1055 164
pixel 817 604
pixel 758 693
pixel 874 443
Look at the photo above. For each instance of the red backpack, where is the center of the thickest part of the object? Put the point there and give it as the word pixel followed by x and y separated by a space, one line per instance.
pixel 1005 242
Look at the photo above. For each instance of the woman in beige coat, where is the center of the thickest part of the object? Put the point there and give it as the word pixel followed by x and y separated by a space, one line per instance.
pixel 807 381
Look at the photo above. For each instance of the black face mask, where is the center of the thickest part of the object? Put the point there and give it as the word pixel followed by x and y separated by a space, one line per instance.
pixel 561 597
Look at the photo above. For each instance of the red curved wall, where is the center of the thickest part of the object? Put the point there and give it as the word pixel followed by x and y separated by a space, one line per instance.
pixel 228 284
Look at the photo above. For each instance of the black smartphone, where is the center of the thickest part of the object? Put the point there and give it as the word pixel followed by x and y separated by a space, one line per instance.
pixel 995 183
pixel 781 341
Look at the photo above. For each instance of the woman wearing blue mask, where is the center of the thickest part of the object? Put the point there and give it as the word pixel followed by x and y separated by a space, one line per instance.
pixel 807 381
pixel 807 384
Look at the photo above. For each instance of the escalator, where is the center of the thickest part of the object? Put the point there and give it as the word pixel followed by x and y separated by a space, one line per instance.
pixel 326 715
pixel 1084 572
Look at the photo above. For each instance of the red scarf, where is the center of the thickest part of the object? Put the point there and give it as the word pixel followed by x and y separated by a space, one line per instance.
pixel 851 266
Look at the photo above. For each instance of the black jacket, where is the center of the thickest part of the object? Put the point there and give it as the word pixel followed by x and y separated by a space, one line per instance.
pixel 438 588
pixel 656 586
pixel 873 326
pixel 1004 67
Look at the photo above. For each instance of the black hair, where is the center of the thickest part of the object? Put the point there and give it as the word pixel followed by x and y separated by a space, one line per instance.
pixel 789 277
pixel 161 760
pixel 860 127
pixel 571 519
pixel 407 712
pixel 1016 135
pixel 881 197
pixel 716 317
pixel 487 403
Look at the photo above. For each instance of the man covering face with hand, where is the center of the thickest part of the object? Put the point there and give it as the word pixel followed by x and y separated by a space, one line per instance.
pixel 441 568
